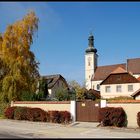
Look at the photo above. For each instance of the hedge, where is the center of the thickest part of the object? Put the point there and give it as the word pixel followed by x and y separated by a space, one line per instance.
pixel 9 112
pixel 37 114
pixel 138 119
pixel 111 116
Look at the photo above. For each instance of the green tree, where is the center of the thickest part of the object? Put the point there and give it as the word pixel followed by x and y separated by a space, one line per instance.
pixel 62 94
pixel 79 90
pixel 19 69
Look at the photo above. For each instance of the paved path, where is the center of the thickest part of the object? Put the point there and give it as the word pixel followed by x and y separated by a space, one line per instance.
pixel 25 129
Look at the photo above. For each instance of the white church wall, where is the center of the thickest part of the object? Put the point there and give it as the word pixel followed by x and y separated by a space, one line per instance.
pixel 95 83
pixel 90 61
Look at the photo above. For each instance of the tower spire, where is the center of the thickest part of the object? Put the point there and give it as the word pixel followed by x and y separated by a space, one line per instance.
pixel 91 47
pixel 91 40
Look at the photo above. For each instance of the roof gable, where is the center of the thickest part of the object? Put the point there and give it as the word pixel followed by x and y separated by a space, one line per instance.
pixel 119 78
pixel 119 70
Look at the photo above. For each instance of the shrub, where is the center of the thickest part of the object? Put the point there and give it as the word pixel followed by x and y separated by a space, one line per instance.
pixel 120 98
pixel 54 116
pixel 38 114
pixel 9 112
pixel 65 117
pixel 3 107
pixel 138 119
pixel 111 116
pixel 62 94
pixel 59 116
pixel 25 113
pixel 47 117
pixel 20 113
pixel 31 114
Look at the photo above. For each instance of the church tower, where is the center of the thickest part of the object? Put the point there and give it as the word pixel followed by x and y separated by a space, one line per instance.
pixel 90 61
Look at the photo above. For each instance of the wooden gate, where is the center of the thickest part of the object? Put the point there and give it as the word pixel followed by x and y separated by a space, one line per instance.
pixel 87 111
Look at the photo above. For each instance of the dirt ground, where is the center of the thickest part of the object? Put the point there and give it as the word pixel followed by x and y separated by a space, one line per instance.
pixel 26 129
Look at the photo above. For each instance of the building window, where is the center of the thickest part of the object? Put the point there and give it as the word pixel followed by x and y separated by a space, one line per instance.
pixel 118 88
pixel 107 89
pixel 98 87
pixel 130 88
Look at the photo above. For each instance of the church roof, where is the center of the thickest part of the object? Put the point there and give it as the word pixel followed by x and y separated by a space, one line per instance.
pixel 132 66
pixel 103 71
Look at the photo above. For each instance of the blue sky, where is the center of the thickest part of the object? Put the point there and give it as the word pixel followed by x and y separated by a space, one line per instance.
pixel 64 28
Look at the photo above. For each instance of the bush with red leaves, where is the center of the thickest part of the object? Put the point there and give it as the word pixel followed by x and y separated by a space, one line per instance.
pixel 9 112
pixel 37 114
pixel 111 116
pixel 65 117
pixel 54 116
pixel 20 113
pixel 138 119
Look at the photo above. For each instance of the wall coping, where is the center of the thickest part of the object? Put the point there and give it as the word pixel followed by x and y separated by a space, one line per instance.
pixel 41 102
pixel 123 101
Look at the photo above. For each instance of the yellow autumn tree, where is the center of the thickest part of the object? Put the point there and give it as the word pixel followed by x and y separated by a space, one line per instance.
pixel 18 66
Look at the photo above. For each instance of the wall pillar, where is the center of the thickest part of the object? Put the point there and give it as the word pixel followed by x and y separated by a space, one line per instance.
pixel 73 110
pixel 12 103
pixel 103 103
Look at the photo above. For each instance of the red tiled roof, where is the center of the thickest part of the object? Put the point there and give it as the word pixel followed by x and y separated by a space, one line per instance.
pixel 133 65
pixel 119 78
pixel 103 71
